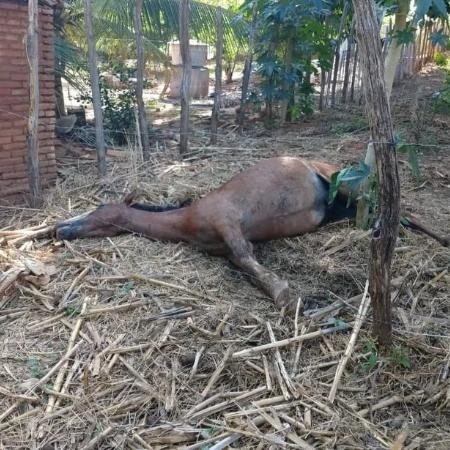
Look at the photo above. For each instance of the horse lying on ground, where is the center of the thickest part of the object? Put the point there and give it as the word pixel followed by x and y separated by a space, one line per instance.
pixel 278 197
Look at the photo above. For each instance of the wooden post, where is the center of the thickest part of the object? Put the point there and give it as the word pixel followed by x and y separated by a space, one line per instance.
pixel 247 69
pixel 218 80
pixel 187 73
pixel 33 119
pixel 142 117
pixel 95 87
pixel 385 230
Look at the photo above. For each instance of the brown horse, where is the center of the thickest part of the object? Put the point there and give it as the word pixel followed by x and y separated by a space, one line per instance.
pixel 278 197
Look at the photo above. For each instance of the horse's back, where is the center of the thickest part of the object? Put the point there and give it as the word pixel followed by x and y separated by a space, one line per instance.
pixel 277 197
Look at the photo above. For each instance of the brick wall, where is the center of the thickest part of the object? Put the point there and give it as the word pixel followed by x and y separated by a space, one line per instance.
pixel 14 99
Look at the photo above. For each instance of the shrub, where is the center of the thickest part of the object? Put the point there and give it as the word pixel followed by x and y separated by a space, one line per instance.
pixel 440 59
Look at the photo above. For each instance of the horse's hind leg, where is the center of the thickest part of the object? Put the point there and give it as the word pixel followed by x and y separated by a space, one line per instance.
pixel 241 254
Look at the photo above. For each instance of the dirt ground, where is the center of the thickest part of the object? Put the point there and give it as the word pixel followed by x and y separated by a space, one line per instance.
pixel 128 343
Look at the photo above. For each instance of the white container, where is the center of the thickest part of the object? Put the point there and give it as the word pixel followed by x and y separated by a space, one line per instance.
pixel 199 53
pixel 199 82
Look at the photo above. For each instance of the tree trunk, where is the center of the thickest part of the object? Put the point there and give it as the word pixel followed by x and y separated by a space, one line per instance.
pixel 390 67
pixel 286 85
pixel 142 117
pixel 337 54
pixel 323 80
pixel 247 68
pixel 386 226
pixel 186 78
pixel 218 80
pixel 395 48
pixel 33 119
pixel 355 65
pixel 347 71
pixel 95 87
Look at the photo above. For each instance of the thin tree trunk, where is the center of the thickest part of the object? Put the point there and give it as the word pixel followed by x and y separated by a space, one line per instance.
pixel 95 87
pixel 386 226
pixel 142 117
pixel 287 67
pixel 355 65
pixel 218 80
pixel 187 73
pixel 347 71
pixel 337 54
pixel 247 69
pixel 323 80
pixel 33 119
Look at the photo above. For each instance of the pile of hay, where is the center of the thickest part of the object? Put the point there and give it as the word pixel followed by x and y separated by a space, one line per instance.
pixel 129 343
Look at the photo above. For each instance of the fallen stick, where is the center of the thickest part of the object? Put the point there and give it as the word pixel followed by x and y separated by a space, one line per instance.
pixel 156 282
pixel 391 401
pixel 28 235
pixel 49 374
pixel 360 316
pixel 116 308
pixel 75 282
pixel 62 372
pixel 288 341
pixel 216 374
pixel 202 413
pixel 279 362
pixel 97 439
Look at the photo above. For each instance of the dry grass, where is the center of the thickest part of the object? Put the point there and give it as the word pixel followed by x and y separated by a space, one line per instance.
pixel 128 343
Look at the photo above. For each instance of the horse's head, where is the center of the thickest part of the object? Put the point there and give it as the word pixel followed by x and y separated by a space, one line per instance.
pixel 106 220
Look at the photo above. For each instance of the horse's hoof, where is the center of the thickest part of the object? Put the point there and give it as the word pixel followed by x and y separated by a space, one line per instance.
pixel 281 294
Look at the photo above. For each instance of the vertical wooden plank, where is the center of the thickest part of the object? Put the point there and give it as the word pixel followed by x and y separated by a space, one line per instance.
pixel 218 77
pixel 95 87
pixel 142 116
pixel 187 74
pixel 33 118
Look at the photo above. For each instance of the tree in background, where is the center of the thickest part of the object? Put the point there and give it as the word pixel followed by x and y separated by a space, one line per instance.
pixel 290 35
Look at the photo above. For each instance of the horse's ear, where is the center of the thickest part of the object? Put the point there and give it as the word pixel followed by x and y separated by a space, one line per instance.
pixel 129 198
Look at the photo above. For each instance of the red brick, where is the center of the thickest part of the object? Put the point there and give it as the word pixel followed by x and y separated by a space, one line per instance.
pixel 15 147
pixel 5 140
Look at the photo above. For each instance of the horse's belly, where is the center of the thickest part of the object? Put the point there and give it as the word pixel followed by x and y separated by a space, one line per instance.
pixel 285 226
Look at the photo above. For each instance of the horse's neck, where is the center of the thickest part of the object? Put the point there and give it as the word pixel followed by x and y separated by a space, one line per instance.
pixel 165 226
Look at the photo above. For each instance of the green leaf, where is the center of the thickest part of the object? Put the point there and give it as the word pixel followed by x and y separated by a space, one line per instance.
pixel 413 161
pixel 334 187
pixel 422 7
pixel 439 38
pixel 405 36
pixel 441 8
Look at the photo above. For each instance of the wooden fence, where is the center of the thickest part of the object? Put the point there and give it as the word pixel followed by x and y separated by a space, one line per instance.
pixel 343 83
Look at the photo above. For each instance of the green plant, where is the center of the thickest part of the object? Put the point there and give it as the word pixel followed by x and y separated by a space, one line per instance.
pixel 72 311
pixel 35 367
pixel 290 36
pixel 400 358
pixel 440 59
pixel 372 360
pixel 349 126
pixel 118 108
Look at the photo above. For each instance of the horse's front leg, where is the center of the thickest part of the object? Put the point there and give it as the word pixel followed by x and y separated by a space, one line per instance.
pixel 241 254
